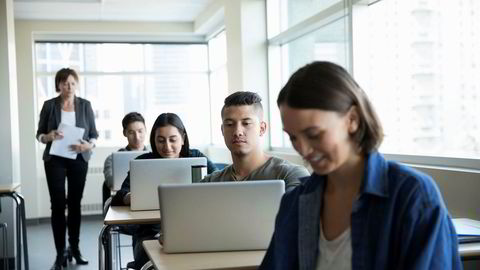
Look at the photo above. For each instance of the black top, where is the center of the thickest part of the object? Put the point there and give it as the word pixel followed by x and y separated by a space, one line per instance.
pixel 117 200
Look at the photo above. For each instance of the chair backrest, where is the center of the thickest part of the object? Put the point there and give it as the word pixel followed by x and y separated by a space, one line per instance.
pixel 106 205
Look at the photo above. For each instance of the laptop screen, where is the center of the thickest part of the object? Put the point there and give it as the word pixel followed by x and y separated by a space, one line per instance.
pixel 147 174
pixel 121 166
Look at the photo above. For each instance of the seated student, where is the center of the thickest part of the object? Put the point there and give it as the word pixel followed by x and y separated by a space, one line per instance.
pixel 134 130
pixel 243 129
pixel 168 139
pixel 357 210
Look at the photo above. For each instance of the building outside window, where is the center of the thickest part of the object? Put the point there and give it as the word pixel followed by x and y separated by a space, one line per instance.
pixel 417 60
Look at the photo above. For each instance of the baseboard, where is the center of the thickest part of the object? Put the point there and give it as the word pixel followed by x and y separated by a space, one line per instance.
pixel 42 220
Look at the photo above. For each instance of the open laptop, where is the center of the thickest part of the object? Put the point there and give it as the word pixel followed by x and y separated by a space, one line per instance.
pixel 147 174
pixel 121 165
pixel 468 230
pixel 220 216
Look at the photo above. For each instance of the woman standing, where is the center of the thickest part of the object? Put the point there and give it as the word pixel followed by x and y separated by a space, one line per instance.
pixel 67 109
pixel 357 210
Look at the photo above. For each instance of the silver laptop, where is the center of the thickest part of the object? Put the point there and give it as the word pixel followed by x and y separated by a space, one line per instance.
pixel 121 165
pixel 147 174
pixel 221 216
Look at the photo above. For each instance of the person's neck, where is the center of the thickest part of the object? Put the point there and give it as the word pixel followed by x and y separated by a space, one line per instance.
pixel 246 164
pixel 67 100
pixel 347 178
pixel 133 148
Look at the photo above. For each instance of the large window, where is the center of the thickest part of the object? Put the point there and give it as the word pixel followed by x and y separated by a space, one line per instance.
pixel 417 60
pixel 420 64
pixel 119 78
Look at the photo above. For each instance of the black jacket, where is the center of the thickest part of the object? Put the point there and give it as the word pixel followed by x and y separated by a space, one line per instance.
pixel 50 119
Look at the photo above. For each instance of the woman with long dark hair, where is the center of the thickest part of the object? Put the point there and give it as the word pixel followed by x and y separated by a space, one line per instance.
pixel 168 139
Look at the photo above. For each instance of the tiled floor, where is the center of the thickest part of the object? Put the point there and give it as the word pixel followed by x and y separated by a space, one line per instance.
pixel 42 249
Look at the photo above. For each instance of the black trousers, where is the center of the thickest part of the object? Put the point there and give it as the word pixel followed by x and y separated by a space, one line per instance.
pixel 75 171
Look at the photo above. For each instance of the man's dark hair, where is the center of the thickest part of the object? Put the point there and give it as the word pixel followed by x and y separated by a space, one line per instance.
pixel 130 118
pixel 242 98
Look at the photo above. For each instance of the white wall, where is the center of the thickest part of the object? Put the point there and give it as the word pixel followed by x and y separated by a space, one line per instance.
pixel 9 142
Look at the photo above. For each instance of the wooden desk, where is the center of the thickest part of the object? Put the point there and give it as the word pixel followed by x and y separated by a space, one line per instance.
pixel 9 190
pixel 120 215
pixel 206 260
pixel 469 251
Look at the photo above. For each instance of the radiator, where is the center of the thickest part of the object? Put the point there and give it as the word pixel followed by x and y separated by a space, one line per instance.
pixel 92 195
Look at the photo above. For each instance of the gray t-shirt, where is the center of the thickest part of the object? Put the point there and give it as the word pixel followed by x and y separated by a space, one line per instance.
pixel 274 168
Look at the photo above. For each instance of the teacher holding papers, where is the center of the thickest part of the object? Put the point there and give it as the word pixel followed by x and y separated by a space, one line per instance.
pixel 67 126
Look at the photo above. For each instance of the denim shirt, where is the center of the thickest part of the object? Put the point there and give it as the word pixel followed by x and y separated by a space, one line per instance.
pixel 399 221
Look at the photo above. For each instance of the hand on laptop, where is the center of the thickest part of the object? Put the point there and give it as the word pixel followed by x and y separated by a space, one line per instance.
pixel 126 198
pixel 159 236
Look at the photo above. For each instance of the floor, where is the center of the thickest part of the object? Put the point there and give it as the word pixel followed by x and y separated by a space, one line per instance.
pixel 41 249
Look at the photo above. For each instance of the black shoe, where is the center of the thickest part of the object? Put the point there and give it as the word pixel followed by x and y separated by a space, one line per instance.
pixel 60 262
pixel 75 253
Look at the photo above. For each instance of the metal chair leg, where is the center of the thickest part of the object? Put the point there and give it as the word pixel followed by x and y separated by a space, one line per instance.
pixel 147 266
pixel 3 227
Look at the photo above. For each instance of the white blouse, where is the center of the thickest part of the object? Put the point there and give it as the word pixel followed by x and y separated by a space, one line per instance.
pixel 68 118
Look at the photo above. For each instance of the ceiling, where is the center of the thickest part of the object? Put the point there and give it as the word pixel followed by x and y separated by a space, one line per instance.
pixel 111 10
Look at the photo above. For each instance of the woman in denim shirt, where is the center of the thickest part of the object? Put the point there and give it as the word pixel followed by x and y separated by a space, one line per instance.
pixel 357 210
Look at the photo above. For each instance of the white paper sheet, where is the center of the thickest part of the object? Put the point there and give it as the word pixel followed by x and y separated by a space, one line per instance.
pixel 71 135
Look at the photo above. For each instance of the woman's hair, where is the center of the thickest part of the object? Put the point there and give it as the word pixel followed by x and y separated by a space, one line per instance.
pixel 170 119
pixel 62 76
pixel 327 86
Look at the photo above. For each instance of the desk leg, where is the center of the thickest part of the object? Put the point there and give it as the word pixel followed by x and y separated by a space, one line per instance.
pixel 24 230
pixel 18 257
pixel 21 228
pixel 104 257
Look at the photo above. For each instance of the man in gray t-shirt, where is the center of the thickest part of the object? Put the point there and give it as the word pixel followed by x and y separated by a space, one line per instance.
pixel 243 129
pixel 274 168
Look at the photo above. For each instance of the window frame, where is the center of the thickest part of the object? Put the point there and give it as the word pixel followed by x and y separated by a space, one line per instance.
pixel 220 30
